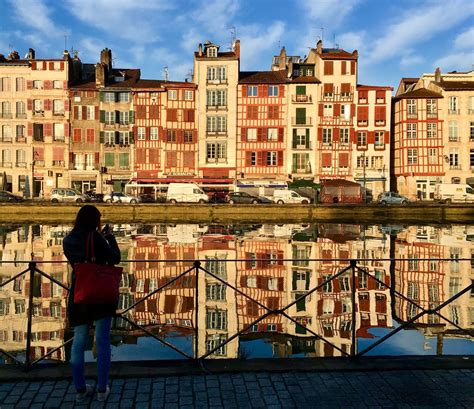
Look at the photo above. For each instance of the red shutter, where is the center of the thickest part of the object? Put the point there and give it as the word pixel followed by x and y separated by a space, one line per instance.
pixel 96 112
pixel 363 95
pixel 260 158
pixel 64 84
pixel 51 66
pixel 61 66
pixel 343 67
pixel 280 158
pixel 387 137
pixel 29 104
pixel 345 87
pixel 370 137
pixel 321 110
pixel 66 129
pixel 66 105
pixel 353 67
pixel 326 160
pixel 335 135
pixel 244 91
pixel 380 114
pixel 328 67
pixel 75 112
pixel 353 110
pixel 320 134
pixel 260 134
pixel 243 134
pixel 33 65
pixel 353 136
pixel 84 112
pixel 282 91
pixel 29 130
pixel 380 95
pixel 48 129
pixel 263 91
pixel 29 84
pixel 77 135
pixel 344 160
pixel 337 109
pixel 248 158
pixel 281 132
pixel 45 65
pixel 97 158
pixel 58 153
pixel 48 84
pixel 362 113
pixel 47 105
pixel 328 88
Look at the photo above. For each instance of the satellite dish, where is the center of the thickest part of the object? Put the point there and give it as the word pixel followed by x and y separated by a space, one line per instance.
pixel 26 56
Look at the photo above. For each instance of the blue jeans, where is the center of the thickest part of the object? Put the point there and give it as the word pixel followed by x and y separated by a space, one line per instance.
pixel 102 339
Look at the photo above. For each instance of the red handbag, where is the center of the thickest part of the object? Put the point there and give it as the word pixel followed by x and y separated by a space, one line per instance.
pixel 96 283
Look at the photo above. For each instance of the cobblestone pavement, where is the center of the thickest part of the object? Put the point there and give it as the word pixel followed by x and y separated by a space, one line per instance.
pixel 387 389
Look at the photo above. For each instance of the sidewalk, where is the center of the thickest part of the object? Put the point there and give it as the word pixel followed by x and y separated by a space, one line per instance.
pixel 422 388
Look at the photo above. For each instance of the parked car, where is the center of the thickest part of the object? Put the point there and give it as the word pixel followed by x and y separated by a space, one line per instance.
pixel 120 197
pixel 216 195
pixel 244 197
pixel 281 196
pixel 454 192
pixel 150 198
pixel 185 192
pixel 68 195
pixel 392 198
pixel 94 197
pixel 9 197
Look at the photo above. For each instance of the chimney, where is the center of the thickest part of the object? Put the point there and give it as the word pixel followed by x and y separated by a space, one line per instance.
pixel 237 48
pixel 31 54
pixel 200 50
pixel 76 68
pixel 437 75
pixel 106 60
pixel 100 75
pixel 13 56
pixel 282 59
pixel 66 55
pixel 319 47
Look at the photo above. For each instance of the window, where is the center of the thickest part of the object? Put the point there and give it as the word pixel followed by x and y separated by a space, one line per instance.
pixel 37 84
pixel 124 117
pixel 217 98
pixel 271 158
pixel 109 117
pixel 344 136
pixel 273 90
pixel 38 107
pixel 154 133
pixel 431 108
pixel 124 160
pixel 471 131
pixel 109 138
pixel 57 84
pixel 20 84
pixel 124 138
pixel 253 158
pixel 345 111
pixel 171 135
pixel 273 112
pixel 411 130
pixel 327 110
pixel 109 159
pixel 412 156
pixel 212 52
pixel 215 292
pixel 109 97
pixel 272 134
pixel 124 96
pixel 454 159
pixel 379 139
pixel 90 112
pixel 216 152
pixel 362 161
pixel 216 319
pixel 361 139
pixel 431 130
pixel 301 163
pixel 141 133
pixel 6 133
pixel 58 107
pixel 216 124
pixel 188 95
pixel 471 158
pixel 252 91
pixel 38 132
pixel 327 136
pixel 172 95
pixel 20 109
pixel 453 131
pixel 411 108
pixel 58 132
pixel 20 131
pixel 251 134
pixel 188 136
pixel 453 107
pixel 432 156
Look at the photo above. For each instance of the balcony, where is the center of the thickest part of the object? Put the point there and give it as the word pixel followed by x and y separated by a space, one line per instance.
pixel 20 164
pixel 6 139
pixel 124 145
pixel 304 121
pixel 58 163
pixel 302 99
pixel 217 81
pixel 6 164
pixel 453 111
pixel 6 115
pixel 454 139
pixel 109 145
pixel 58 113
pixel 58 138
pixel 38 113
pixel 39 163
pixel 216 107
pixel 216 133
pixel 21 115
pixel 380 100
pixel 432 115
pixel 380 122
pixel 412 115
pixel 303 146
pixel 362 122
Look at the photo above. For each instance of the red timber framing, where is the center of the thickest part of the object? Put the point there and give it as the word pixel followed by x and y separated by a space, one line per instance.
pixel 418 137
pixel 165 130
pixel 261 122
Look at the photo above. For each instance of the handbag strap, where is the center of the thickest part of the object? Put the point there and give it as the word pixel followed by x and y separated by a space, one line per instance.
pixel 90 247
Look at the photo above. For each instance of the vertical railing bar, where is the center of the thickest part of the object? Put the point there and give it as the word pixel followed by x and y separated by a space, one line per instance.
pixel 197 264
pixel 32 268
pixel 353 264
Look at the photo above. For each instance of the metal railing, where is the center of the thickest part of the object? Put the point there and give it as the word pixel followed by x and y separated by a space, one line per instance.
pixel 356 269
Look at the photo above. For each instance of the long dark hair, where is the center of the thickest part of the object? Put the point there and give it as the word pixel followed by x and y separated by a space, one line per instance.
pixel 88 218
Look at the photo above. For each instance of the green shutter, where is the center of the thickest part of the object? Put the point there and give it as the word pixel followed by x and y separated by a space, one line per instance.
pixel 124 159
pixel 300 116
pixel 132 117
pixel 301 90
pixel 101 96
pixel 117 117
pixel 131 137
pixel 307 138
pixel 101 137
pixel 117 138
pixel 117 97
pixel 102 116
pixel 109 159
pixel 294 139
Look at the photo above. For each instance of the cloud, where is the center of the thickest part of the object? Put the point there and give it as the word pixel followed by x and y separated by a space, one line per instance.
pixel 35 14
pixel 410 59
pixel 89 49
pixel 328 11
pixel 353 40
pixel 418 25
pixel 465 41
pixel 461 61
pixel 215 16
pixel 255 40
pixel 136 21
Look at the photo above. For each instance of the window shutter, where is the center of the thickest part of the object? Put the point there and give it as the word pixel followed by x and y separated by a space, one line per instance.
pixel 280 158
pixel 66 129
pixel 96 112
pixel 117 98
pixel 244 91
pixel 66 105
pixel 29 130
pixel 117 117
pixel 326 159
pixel 248 158
pixel 335 134
pixel 300 90
pixel 29 104
pixel 64 84
pixel 328 67
pixel 101 136
pixel 131 117
pixel 61 66
pixel 101 96
pixel 33 65
pixel 260 158
pixel 102 116
pixel 337 109
pixel 320 134
pixel 47 105
pixel 29 84
pixel 294 142
pixel 307 139
pixel 263 90
pixel 380 113
pixel 380 94
pixel 48 84
pixel 260 132
pixel 321 110
pixel 97 159
pixel 343 67
pixel 346 87
pixel 243 134
pixel 281 132
pixel 328 88
pixel 353 135
pixel 362 113
pixel 131 137
pixel 370 137
pixel 353 67
pixel 48 129
pixel 84 112
pixel 353 110
pixel 386 137
pixel 117 138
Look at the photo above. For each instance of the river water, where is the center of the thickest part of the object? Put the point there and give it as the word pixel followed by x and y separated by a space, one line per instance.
pixel 252 267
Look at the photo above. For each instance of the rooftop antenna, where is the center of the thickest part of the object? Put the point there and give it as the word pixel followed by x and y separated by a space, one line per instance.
pixel 165 70
pixel 334 40
pixel 322 34
pixel 189 75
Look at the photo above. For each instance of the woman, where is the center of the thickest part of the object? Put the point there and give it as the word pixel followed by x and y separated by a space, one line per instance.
pixel 82 316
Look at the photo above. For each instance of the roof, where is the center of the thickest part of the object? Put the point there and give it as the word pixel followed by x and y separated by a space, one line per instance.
pixel 263 77
pixel 338 54
pixel 419 93
pixel 455 85
pixel 154 84
pixel 224 55
pixel 361 87
pixel 306 79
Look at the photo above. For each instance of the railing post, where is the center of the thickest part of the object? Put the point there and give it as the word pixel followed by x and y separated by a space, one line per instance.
pixel 31 268
pixel 197 264
pixel 353 301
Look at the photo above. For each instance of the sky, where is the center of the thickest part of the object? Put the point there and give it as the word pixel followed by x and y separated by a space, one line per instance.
pixel 394 38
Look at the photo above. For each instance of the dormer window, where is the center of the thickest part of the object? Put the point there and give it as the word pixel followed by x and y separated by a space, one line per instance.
pixel 212 52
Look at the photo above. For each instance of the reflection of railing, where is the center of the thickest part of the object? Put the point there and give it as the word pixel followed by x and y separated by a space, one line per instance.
pixel 357 282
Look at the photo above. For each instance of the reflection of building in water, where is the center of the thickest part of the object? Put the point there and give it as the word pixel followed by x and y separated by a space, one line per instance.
pixel 430 282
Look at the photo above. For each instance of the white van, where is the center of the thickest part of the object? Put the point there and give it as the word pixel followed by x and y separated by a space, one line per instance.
pixel 281 196
pixel 454 192
pixel 185 192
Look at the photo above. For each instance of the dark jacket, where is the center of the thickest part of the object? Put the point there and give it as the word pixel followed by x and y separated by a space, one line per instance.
pixel 106 252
